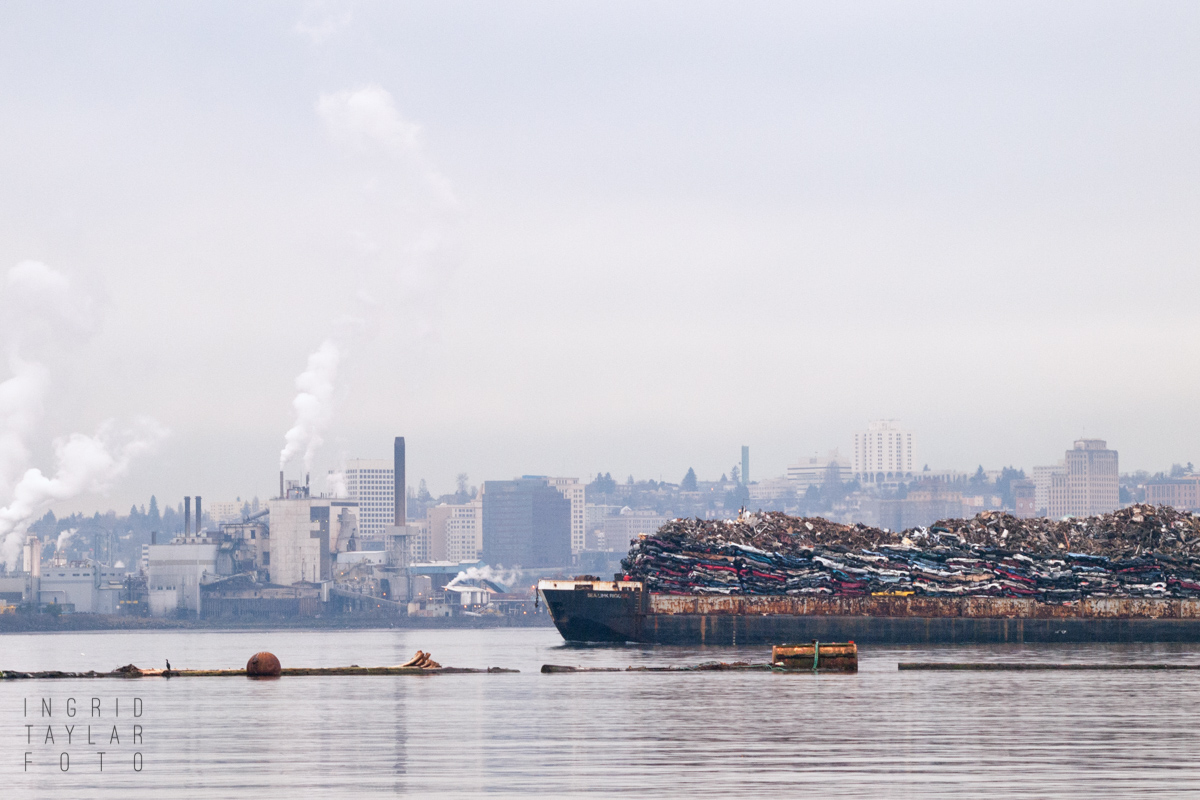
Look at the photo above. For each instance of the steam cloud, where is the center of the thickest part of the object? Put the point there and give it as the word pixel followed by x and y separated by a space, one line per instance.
pixel 313 405
pixel 44 309
pixel 486 572
pixel 85 464
pixel 397 239
pixel 64 537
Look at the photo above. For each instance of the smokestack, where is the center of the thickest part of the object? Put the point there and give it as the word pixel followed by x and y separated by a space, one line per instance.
pixel 187 516
pixel 281 495
pixel 400 485
pixel 306 484
pixel 153 537
pixel 199 516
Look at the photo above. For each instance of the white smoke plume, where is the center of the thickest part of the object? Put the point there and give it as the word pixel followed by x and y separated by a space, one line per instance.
pixel 503 577
pixel 313 405
pixel 85 464
pixel 21 398
pixel 42 308
pixel 63 538
pixel 44 311
pixel 401 207
pixel 338 485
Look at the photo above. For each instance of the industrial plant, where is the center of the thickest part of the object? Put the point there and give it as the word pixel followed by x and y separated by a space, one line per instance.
pixel 304 555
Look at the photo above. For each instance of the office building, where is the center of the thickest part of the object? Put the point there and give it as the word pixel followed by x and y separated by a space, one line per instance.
pixel 1043 478
pixel 573 490
pixel 455 532
pixel 526 523
pixel 372 483
pixel 1090 483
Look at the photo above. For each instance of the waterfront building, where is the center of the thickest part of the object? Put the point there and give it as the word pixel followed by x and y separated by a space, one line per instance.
pixel 305 533
pixel 175 572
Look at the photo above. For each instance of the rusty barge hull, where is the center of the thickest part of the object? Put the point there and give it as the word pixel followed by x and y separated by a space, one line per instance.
pixel 585 613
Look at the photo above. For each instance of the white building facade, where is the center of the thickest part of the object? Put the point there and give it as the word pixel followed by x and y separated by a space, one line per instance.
pixel 884 452
pixel 372 482
pixel 175 572
pixel 306 532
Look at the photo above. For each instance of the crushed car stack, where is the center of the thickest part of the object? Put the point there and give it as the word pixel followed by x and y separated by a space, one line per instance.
pixel 1140 551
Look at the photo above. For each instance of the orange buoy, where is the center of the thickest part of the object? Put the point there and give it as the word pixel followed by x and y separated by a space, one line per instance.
pixel 263 665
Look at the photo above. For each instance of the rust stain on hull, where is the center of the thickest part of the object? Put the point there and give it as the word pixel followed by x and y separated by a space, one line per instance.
pixel 913 606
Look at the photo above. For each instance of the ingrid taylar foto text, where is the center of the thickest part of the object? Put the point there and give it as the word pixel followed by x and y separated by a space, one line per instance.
pixel 93 734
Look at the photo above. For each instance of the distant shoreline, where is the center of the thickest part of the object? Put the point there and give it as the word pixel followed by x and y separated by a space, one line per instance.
pixel 44 623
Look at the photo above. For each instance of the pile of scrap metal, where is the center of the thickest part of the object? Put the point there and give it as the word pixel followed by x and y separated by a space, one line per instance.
pixel 1141 551
pixel 422 660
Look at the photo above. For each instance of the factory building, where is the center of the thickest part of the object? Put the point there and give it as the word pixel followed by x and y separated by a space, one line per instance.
pixel 82 587
pixel 306 532
pixel 175 572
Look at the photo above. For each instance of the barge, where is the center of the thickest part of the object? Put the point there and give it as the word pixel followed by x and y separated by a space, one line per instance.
pixel 589 610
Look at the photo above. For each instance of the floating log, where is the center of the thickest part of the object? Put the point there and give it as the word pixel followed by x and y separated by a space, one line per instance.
pixel 819 656
pixel 708 666
pixel 10 675
pixel 1001 666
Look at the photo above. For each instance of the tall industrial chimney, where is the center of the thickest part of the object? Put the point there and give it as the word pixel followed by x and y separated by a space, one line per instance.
pixel 187 516
pixel 199 516
pixel 400 485
pixel 281 494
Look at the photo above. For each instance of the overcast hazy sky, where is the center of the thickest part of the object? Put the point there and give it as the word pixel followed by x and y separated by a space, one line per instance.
pixel 561 237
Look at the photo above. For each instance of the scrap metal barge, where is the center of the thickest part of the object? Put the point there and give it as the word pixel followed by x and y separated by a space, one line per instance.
pixel 622 611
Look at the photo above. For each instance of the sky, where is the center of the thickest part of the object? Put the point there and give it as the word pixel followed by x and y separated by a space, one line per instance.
pixel 556 238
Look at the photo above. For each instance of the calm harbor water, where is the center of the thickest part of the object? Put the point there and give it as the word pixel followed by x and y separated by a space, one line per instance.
pixel 878 734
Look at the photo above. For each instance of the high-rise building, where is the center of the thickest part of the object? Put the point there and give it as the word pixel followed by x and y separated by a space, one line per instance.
pixel 884 452
pixel 574 491
pixel 1089 483
pixel 372 483
pixel 527 523
pixel 455 531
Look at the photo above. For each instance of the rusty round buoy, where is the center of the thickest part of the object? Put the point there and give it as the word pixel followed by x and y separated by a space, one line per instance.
pixel 263 665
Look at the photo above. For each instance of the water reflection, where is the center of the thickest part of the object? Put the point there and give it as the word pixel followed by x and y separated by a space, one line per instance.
pixel 880 733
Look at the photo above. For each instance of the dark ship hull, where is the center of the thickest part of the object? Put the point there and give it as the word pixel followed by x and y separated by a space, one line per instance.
pixel 601 611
